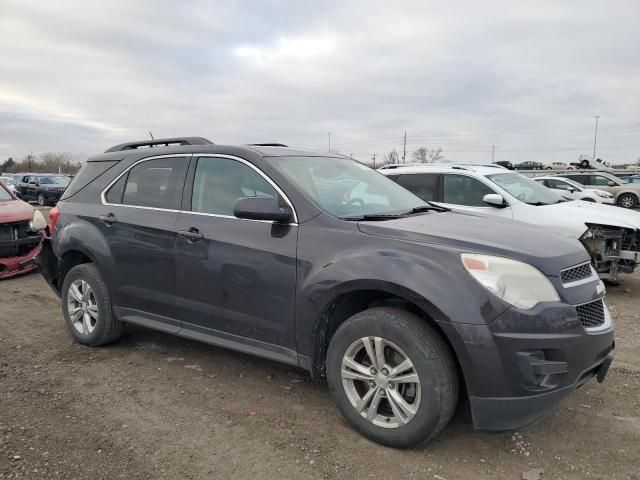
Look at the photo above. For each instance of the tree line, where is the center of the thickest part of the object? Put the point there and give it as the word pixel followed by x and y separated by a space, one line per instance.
pixel 48 162
pixel 421 155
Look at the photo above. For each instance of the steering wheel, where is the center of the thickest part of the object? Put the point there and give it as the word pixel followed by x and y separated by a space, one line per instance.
pixel 354 201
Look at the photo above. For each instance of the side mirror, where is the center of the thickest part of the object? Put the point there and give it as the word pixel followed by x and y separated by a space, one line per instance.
pixel 262 208
pixel 571 190
pixel 494 200
pixel 611 184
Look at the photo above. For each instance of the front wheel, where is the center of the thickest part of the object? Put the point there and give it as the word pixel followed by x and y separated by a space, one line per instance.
pixel 392 376
pixel 86 307
pixel 628 200
pixel 587 199
pixel 41 200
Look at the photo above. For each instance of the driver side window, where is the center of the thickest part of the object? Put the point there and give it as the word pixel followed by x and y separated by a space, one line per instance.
pixel 464 190
pixel 220 182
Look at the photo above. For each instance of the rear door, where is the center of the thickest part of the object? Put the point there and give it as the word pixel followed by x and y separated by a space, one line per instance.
pixel 423 185
pixel 137 220
pixel 235 278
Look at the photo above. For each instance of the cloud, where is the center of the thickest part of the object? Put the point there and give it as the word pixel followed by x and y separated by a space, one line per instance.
pixel 81 76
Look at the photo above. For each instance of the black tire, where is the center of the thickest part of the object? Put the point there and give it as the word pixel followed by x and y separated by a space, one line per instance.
pixel 587 199
pixel 432 361
pixel 584 163
pixel 107 327
pixel 41 200
pixel 628 200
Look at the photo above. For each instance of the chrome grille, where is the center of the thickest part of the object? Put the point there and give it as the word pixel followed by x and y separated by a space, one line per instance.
pixel 591 314
pixel 575 274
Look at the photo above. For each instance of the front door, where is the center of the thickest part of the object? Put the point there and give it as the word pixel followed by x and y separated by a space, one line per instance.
pixel 235 278
pixel 464 193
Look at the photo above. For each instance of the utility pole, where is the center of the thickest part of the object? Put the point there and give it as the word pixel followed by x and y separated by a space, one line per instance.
pixel 493 153
pixel 329 141
pixel 374 160
pixel 595 137
pixel 404 148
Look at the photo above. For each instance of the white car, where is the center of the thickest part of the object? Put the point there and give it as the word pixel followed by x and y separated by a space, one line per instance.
pixel 10 182
pixel 610 235
pixel 571 189
pixel 559 166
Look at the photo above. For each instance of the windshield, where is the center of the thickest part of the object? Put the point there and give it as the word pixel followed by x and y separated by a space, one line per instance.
pixel 53 181
pixel 8 180
pixel 573 183
pixel 525 189
pixel 345 188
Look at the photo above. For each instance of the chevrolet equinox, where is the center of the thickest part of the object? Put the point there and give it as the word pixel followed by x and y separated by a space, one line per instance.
pixel 317 261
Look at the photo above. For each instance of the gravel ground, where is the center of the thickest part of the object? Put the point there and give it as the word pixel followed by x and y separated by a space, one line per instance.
pixel 156 406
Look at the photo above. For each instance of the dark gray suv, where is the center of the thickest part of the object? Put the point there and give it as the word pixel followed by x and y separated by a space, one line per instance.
pixel 317 261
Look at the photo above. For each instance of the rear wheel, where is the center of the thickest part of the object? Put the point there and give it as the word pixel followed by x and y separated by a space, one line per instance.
pixel 86 307
pixel 587 199
pixel 392 376
pixel 628 200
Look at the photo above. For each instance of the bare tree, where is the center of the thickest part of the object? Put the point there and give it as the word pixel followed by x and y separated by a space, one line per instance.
pixel 59 162
pixel 424 155
pixel 391 157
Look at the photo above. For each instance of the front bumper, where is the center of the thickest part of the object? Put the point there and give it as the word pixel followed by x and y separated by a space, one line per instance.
pixel 519 366
pixel 510 413
pixel 12 266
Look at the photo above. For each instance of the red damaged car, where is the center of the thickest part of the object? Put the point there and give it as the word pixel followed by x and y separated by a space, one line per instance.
pixel 20 234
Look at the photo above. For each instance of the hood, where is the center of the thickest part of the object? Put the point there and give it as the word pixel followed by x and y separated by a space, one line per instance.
pixel 15 211
pixel 494 236
pixel 571 217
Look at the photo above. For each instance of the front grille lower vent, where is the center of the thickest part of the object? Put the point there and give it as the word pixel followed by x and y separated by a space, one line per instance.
pixel 591 314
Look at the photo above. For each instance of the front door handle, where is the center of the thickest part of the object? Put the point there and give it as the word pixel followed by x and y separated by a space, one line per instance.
pixel 192 235
pixel 108 219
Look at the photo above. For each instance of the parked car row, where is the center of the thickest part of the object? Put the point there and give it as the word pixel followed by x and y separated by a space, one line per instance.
pixel 45 189
pixel 404 302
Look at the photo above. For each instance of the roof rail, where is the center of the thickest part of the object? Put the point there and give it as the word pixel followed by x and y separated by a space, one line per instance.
pixel 160 142
pixel 267 145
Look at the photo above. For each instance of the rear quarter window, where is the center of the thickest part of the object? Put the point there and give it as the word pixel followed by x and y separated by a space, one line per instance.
pixel 87 174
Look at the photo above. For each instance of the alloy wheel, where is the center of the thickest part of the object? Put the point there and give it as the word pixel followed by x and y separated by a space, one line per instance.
pixel 381 382
pixel 626 201
pixel 82 307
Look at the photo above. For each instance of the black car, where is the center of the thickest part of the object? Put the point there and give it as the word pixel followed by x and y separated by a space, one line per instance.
pixel 529 166
pixel 505 163
pixel 317 261
pixel 45 189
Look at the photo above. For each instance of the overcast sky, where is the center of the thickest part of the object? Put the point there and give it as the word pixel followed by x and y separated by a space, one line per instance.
pixel 82 76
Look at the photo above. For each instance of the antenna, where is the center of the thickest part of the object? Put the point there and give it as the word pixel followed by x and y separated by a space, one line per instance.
pixel 151 135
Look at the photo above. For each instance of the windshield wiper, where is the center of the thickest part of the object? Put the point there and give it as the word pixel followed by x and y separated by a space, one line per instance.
pixel 375 216
pixel 427 208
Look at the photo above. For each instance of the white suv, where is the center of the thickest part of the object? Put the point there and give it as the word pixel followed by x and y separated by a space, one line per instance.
pixel 610 234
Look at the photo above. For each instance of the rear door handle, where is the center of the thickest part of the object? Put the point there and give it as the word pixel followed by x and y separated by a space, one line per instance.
pixel 108 219
pixel 192 235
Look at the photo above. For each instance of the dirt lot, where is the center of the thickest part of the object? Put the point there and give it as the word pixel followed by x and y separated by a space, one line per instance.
pixel 155 406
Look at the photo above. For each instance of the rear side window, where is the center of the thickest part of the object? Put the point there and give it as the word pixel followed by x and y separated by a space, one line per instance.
pixel 87 174
pixel 220 182
pixel 424 186
pixel 463 190
pixel 153 183
pixel 583 179
pixel 557 184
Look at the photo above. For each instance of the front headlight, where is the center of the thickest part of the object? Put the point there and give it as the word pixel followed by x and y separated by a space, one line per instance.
pixel 517 283
pixel 38 222
pixel 604 195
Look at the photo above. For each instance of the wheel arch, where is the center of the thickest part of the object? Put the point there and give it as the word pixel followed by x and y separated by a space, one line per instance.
pixel 69 259
pixel 358 296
